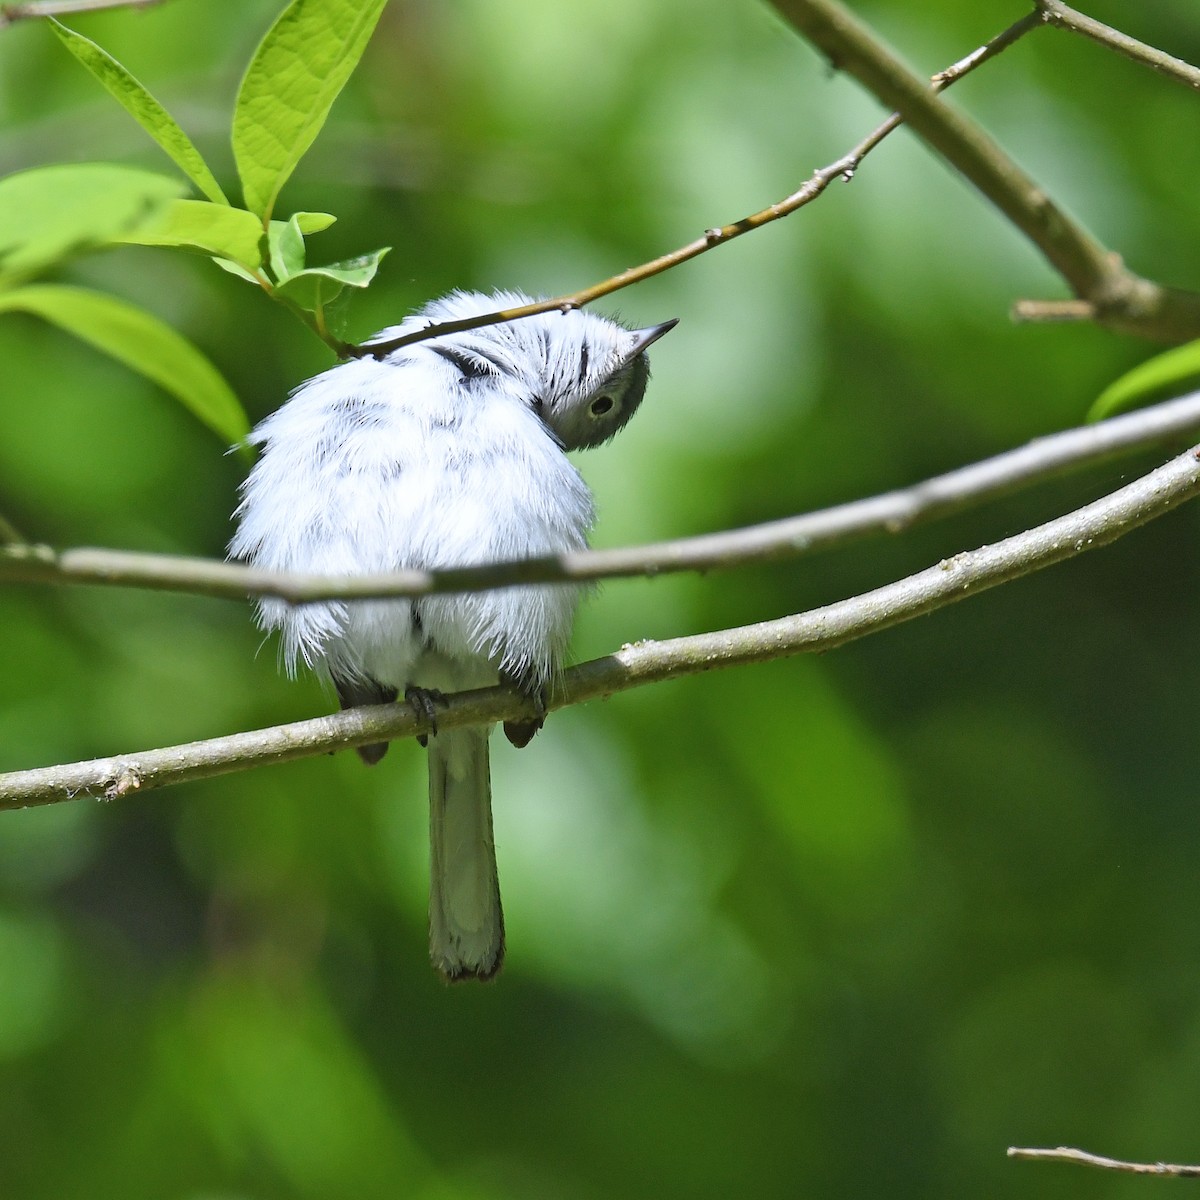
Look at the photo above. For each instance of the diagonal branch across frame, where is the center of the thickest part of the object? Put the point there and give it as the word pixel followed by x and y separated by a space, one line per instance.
pixel 788 538
pixel 842 168
pixel 821 629
pixel 1105 290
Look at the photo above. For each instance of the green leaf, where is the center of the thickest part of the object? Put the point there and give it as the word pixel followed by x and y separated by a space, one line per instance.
pixel 140 341
pixel 310 222
pixel 216 229
pixel 240 272
pixel 285 243
pixel 296 73
pixel 143 108
pixel 1168 374
pixel 51 212
pixel 317 286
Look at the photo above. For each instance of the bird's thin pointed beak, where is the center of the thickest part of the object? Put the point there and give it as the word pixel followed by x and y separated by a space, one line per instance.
pixel 647 337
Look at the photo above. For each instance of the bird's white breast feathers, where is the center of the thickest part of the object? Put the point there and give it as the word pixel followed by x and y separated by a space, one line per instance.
pixel 376 466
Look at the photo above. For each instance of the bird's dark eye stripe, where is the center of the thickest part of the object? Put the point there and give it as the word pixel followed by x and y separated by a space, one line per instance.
pixel 583 362
pixel 471 365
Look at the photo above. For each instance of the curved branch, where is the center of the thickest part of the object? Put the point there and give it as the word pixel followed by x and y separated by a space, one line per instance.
pixel 791 537
pixel 821 629
pixel 1119 299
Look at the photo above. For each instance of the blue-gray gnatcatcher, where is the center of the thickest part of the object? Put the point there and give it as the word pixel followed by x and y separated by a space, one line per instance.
pixel 445 453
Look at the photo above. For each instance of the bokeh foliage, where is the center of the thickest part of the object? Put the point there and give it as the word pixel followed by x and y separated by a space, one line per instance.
pixel 827 927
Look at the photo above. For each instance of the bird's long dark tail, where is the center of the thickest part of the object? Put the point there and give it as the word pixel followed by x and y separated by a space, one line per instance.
pixel 466 922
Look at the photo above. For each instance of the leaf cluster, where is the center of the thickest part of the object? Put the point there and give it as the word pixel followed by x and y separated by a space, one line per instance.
pixel 50 214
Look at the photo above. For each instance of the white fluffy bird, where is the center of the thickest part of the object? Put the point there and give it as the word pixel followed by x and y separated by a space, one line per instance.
pixel 445 453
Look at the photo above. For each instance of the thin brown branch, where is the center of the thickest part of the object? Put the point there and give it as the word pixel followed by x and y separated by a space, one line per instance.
pixel 1121 299
pixel 791 537
pixel 842 168
pixel 1069 1155
pixel 822 629
pixel 32 9
pixel 1001 42
pixel 1107 292
pixel 1054 12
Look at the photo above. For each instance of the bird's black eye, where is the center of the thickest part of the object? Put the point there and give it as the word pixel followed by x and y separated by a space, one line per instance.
pixel 601 405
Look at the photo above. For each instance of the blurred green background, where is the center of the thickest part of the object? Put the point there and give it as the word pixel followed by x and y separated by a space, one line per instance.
pixel 839 926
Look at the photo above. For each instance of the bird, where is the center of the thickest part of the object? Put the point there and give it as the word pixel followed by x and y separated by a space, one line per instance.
pixel 446 452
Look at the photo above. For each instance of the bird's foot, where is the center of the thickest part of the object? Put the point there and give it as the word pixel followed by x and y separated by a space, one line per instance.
pixel 424 702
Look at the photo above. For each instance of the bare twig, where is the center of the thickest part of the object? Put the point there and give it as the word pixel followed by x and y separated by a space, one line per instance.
pixel 822 629
pixel 1002 41
pixel 1120 299
pixel 1054 12
pixel 1053 311
pixel 842 168
pixel 1067 1154
pixel 33 9
pixel 791 537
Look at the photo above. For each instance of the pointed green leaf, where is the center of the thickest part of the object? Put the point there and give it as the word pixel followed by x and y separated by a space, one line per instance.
pixel 312 290
pixel 310 222
pixel 215 229
pixel 140 341
pixel 234 269
pixel 1168 374
pixel 297 71
pixel 285 243
pixel 317 286
pixel 51 212
pixel 143 108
